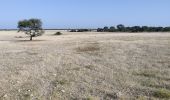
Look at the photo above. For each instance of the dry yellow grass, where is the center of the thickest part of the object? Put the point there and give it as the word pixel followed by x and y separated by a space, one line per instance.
pixel 84 66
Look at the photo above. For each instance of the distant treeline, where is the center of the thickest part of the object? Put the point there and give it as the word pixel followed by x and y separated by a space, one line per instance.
pixel 80 30
pixel 122 28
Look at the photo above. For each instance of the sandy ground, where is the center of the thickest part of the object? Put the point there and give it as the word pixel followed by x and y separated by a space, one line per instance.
pixel 85 66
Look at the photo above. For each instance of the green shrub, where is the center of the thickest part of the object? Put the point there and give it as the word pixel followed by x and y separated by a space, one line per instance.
pixel 92 98
pixel 58 33
pixel 162 93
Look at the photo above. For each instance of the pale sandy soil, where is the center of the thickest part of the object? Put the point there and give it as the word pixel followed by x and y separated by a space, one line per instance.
pixel 85 66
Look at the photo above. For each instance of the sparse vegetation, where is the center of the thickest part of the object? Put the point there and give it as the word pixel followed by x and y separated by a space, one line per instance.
pixel 90 47
pixel 62 82
pixel 162 93
pixel 92 98
pixel 146 73
pixel 58 33
pixel 125 66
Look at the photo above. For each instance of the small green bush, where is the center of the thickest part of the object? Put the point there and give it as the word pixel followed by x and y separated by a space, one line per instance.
pixel 58 33
pixel 91 98
pixel 162 93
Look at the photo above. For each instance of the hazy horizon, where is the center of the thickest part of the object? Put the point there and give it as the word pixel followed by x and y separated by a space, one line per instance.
pixel 85 13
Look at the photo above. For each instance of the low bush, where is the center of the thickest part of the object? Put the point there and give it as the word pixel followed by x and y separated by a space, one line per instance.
pixel 58 33
pixel 162 93
pixel 88 48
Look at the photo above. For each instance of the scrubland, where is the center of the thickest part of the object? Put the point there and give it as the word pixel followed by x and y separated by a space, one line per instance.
pixel 85 66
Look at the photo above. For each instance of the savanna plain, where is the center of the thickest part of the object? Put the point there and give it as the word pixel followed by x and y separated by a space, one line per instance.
pixel 85 66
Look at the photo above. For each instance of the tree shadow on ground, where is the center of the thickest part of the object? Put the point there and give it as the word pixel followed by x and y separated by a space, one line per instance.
pixel 28 40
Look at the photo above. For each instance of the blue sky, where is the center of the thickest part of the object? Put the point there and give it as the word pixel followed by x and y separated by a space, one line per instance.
pixel 86 13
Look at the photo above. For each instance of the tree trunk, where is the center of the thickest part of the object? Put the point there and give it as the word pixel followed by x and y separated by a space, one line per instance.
pixel 31 38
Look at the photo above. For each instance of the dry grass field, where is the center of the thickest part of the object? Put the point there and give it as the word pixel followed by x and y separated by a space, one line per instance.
pixel 85 66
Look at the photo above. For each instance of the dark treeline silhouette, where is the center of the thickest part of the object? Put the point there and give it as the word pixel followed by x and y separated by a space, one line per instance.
pixel 80 30
pixel 122 28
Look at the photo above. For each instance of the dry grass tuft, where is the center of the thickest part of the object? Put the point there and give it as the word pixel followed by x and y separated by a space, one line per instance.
pixel 146 73
pixel 162 93
pixel 88 48
pixel 91 67
pixel 62 82
pixel 92 98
